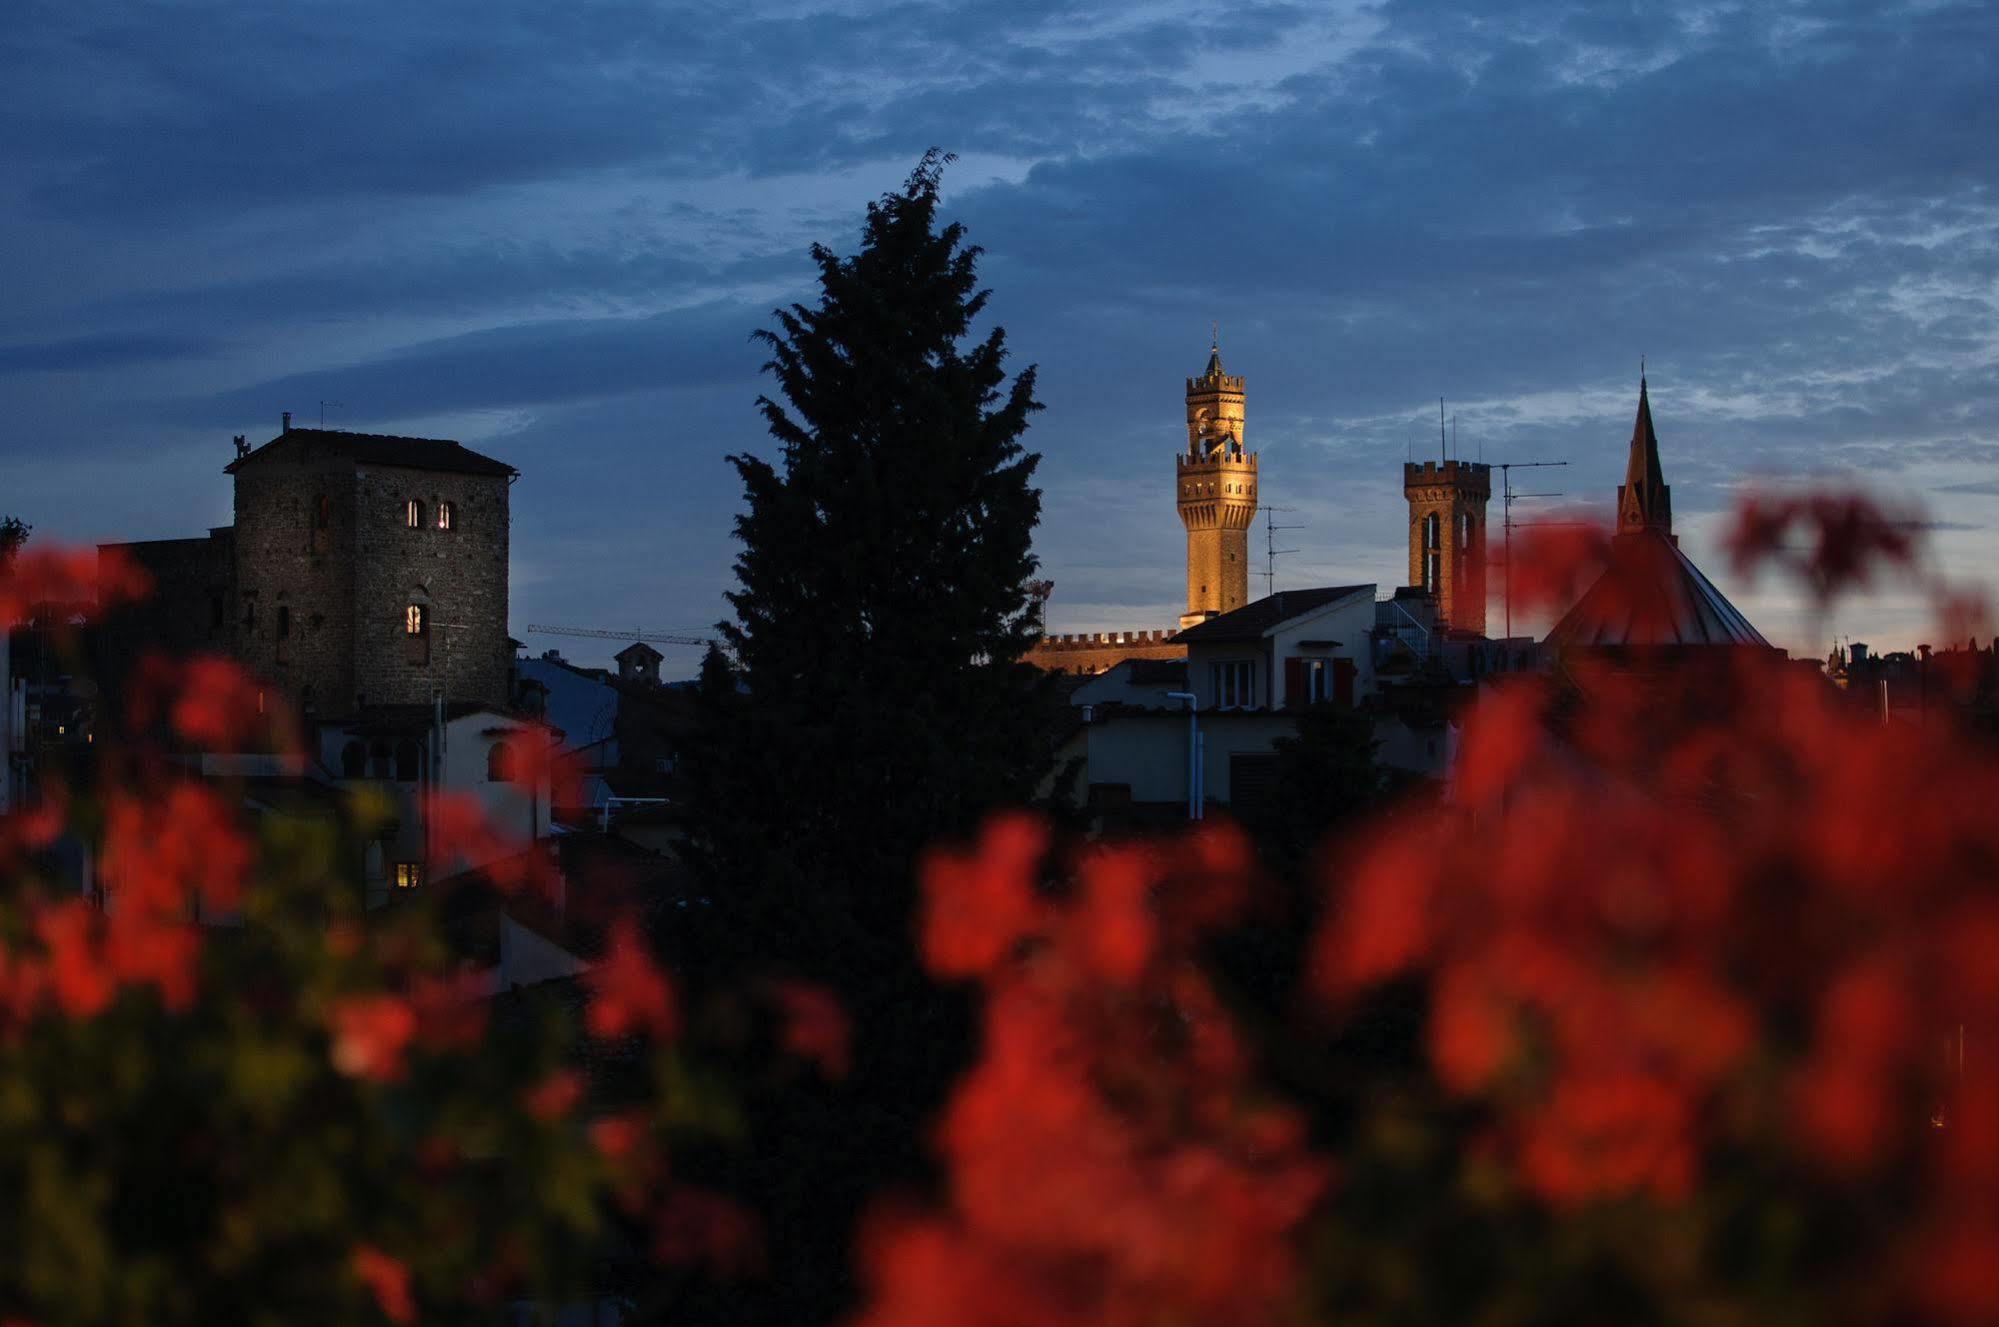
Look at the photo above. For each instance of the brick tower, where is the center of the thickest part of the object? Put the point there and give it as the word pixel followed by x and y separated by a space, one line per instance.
pixel 1217 494
pixel 1447 537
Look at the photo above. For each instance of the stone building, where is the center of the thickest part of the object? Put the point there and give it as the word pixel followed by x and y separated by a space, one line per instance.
pixel 362 570
pixel 1217 494
pixel 1447 537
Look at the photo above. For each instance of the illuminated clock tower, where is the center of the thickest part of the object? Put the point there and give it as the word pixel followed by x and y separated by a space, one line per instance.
pixel 1217 494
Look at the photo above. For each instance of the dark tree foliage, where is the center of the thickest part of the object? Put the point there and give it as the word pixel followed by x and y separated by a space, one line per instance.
pixel 885 604
pixel 14 532
pixel 1327 779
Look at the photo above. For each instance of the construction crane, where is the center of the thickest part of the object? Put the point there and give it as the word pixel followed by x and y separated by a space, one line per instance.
pixel 660 637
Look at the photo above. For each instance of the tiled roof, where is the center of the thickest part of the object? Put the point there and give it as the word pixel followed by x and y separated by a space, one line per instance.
pixel 1652 594
pixel 382 449
pixel 1251 621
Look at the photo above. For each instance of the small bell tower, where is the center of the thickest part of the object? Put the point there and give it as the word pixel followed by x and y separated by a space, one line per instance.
pixel 1447 536
pixel 1217 494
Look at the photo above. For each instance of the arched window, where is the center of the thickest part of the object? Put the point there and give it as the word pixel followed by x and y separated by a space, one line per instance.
pixel 1464 532
pixel 322 523
pixel 447 515
pixel 1431 534
pixel 408 761
pixel 413 514
pixel 381 761
pixel 501 766
pixel 415 622
pixel 353 760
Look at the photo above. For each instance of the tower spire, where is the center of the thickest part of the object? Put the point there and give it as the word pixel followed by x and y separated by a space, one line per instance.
pixel 1643 499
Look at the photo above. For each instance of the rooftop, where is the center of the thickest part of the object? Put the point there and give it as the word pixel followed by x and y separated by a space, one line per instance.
pixel 1651 594
pixel 380 449
pixel 1254 620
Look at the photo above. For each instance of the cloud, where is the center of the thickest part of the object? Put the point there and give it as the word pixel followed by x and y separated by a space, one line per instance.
pixel 533 364
pixel 107 350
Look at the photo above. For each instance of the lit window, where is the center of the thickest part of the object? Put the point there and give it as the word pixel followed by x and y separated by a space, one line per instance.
pixel 413 514
pixel 1318 680
pixel 447 515
pixel 409 875
pixel 413 620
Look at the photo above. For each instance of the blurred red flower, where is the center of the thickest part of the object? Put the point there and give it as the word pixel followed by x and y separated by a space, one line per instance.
pixel 629 994
pixel 388 1280
pixel 370 1033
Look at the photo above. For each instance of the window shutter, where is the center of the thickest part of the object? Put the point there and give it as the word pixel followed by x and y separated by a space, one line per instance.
pixel 1294 682
pixel 1343 675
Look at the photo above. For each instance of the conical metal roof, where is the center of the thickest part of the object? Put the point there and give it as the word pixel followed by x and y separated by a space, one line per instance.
pixel 1652 594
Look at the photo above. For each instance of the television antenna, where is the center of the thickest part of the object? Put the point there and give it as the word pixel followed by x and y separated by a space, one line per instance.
pixel 1507 498
pixel 337 405
pixel 637 633
pixel 1271 550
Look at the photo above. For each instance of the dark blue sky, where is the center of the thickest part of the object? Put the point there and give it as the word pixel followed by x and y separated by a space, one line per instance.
pixel 548 230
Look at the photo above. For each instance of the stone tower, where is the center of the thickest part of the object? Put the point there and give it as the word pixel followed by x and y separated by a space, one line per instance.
pixel 1217 494
pixel 372 570
pixel 1447 537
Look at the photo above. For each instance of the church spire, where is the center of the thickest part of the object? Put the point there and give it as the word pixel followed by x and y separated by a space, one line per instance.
pixel 1643 499
pixel 1214 351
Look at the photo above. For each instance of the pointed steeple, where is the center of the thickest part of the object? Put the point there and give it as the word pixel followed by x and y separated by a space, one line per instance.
pixel 1643 499
pixel 1214 369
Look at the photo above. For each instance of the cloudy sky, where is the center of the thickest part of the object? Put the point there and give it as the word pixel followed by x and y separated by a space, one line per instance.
pixel 548 230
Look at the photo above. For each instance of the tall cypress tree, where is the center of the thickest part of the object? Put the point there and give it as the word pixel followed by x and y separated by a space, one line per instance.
pixel 885 599
pixel 884 606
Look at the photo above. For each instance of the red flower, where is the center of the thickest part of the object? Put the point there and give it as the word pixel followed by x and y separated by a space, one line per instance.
pixel 387 1279
pixel 219 706
pixel 78 976
pixel 618 1137
pixel 369 1034
pixel 553 1097
pixel 814 1027
pixel 630 995
pixel 977 906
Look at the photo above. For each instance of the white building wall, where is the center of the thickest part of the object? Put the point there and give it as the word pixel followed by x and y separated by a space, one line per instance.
pixel 1148 752
pixel 1347 621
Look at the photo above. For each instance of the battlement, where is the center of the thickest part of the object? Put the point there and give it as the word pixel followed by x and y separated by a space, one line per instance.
pixel 1475 476
pixel 1097 640
pixel 1225 382
pixel 1219 461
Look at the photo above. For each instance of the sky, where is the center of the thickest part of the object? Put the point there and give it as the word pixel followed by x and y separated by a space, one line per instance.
pixel 548 231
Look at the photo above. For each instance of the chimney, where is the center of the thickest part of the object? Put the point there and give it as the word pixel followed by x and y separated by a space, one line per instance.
pixel 288 422
pixel 242 447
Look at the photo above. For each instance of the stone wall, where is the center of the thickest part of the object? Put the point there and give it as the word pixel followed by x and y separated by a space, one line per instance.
pixel 458 576
pixel 294 611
